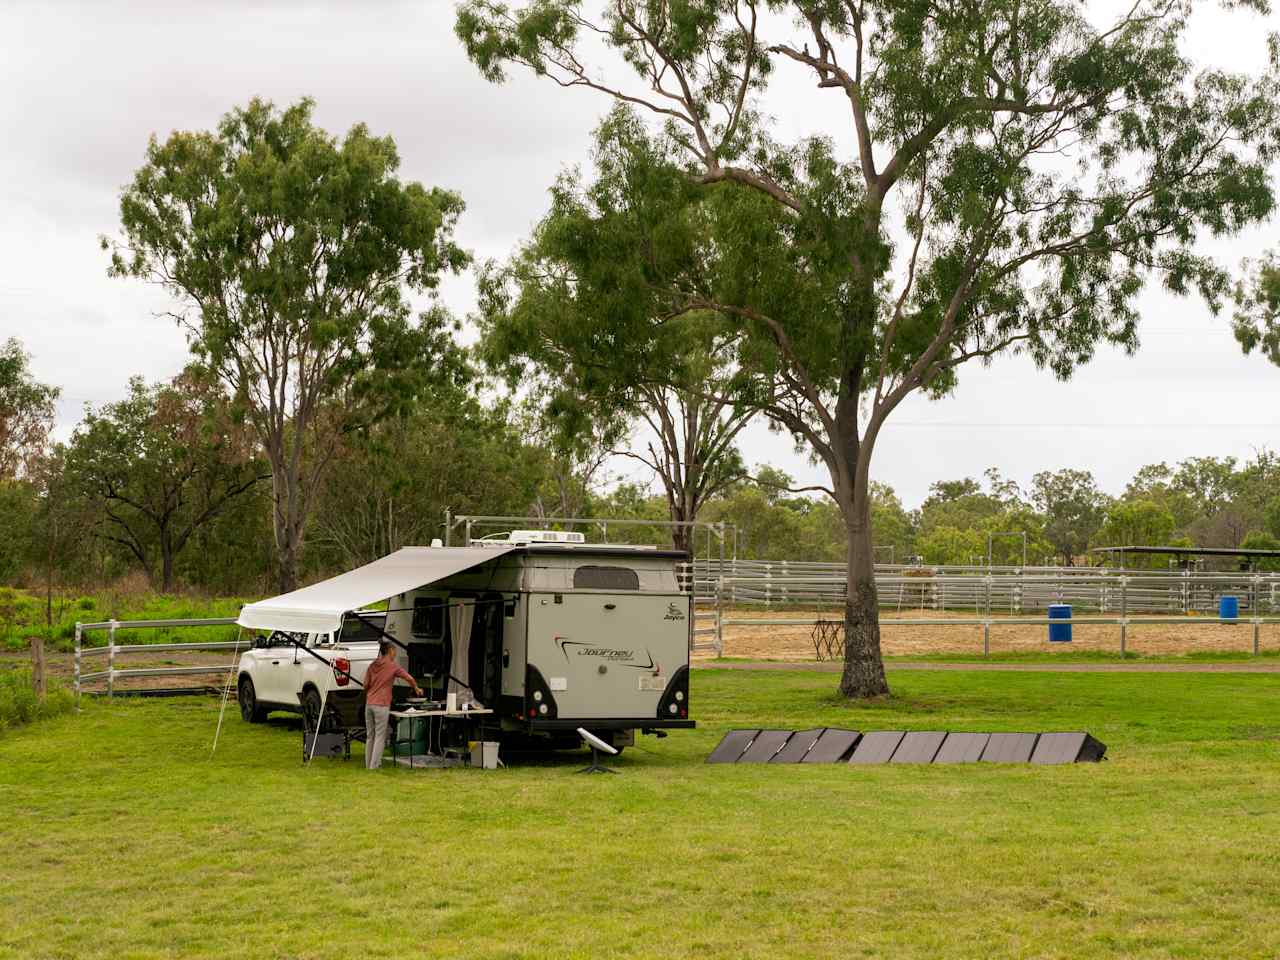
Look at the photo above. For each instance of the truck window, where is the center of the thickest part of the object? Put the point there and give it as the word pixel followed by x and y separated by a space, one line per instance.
pixel 428 618
pixel 356 630
pixel 596 577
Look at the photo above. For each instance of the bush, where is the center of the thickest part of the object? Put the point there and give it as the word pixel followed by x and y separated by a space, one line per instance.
pixel 18 703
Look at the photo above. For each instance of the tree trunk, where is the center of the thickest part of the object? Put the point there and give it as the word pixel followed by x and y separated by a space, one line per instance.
pixel 287 529
pixel 166 564
pixel 863 667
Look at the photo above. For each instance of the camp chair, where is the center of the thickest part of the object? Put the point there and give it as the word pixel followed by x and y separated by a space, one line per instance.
pixel 341 725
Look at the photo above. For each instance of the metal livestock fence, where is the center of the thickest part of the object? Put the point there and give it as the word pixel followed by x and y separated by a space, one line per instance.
pixel 1000 595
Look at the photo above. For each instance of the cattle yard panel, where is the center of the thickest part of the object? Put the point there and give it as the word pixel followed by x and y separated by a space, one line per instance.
pixel 1139 598
pixel 112 650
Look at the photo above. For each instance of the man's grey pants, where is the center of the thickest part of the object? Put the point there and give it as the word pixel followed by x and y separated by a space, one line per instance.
pixel 375 724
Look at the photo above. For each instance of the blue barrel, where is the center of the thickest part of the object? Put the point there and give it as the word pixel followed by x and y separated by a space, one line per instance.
pixel 1228 609
pixel 1059 632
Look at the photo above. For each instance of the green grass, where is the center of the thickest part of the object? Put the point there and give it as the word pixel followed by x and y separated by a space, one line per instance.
pixel 23 615
pixel 18 702
pixel 124 838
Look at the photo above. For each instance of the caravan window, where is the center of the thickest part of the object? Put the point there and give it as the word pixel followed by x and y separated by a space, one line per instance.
pixel 605 578
pixel 428 618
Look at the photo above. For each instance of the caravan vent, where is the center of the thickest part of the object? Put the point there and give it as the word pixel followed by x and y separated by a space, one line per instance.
pixel 545 536
pixel 605 578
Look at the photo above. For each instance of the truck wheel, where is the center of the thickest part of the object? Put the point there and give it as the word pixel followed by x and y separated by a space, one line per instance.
pixel 250 712
pixel 311 707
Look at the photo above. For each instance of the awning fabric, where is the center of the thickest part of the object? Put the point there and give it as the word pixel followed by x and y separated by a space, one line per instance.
pixel 320 607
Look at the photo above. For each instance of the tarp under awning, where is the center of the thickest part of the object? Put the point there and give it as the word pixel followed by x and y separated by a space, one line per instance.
pixel 320 607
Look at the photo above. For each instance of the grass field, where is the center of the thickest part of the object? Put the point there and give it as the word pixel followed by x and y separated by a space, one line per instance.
pixel 124 838
pixel 24 615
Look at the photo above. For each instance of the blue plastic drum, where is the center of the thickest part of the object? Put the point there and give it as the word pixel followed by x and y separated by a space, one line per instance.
pixel 1060 632
pixel 1228 609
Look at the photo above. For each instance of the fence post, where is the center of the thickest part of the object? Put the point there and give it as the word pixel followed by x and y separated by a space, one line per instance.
pixel 720 616
pixel 79 633
pixel 111 661
pixel 1253 608
pixel 1124 613
pixel 986 622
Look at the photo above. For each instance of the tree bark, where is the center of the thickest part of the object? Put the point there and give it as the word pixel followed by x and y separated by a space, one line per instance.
pixel 288 533
pixel 166 562
pixel 863 674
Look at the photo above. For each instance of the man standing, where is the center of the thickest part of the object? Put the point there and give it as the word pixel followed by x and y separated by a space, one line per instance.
pixel 378 679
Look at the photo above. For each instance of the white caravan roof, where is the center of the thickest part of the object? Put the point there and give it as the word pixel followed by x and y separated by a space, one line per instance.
pixel 320 607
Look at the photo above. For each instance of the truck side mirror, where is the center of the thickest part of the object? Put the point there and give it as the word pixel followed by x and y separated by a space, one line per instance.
pixel 260 642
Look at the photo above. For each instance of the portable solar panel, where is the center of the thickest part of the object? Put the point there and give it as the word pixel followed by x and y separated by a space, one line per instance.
pixel 1009 748
pixel 732 747
pixel 962 748
pixel 919 746
pixel 797 747
pixel 1068 748
pixel 833 746
pixel 877 747
pixel 765 745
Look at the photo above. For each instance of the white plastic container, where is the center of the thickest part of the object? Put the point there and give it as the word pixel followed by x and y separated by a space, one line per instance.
pixel 484 754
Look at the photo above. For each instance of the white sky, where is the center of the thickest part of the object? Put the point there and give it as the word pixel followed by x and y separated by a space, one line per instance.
pixel 86 84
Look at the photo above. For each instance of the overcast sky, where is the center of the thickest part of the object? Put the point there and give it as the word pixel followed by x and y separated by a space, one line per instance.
pixel 86 84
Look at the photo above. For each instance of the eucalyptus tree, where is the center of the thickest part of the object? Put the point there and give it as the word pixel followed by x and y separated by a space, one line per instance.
pixel 1016 172
pixel 544 331
pixel 290 254
pixel 1073 508
pixel 160 464
pixel 27 411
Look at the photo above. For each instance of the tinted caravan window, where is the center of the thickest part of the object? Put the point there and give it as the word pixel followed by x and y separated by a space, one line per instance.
pixel 428 618
pixel 605 578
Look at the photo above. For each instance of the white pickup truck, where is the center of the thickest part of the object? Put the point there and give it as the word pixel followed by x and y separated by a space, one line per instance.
pixel 275 675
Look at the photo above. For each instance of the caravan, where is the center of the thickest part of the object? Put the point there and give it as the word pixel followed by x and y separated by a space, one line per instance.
pixel 546 631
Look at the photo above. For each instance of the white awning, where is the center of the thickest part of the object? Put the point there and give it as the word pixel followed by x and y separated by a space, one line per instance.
pixel 320 607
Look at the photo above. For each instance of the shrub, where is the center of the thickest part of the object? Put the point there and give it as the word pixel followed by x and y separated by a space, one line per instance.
pixel 18 703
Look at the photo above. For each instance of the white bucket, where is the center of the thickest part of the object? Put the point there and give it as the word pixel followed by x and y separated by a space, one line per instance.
pixel 484 754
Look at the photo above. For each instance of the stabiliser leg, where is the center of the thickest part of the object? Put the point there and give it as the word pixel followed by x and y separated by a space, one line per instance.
pixel 595 764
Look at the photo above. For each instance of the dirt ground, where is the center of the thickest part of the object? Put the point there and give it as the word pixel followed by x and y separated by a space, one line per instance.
pixel 1181 636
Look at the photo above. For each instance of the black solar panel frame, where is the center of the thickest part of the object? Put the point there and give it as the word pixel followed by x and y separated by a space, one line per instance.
pixel 765 745
pixel 919 746
pixel 960 747
pixel 798 746
pixel 877 746
pixel 1073 747
pixel 834 746
pixel 724 751
pixel 1009 747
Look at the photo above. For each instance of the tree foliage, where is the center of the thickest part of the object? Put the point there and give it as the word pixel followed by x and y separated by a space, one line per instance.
pixel 290 254
pixel 1073 507
pixel 27 410
pixel 160 464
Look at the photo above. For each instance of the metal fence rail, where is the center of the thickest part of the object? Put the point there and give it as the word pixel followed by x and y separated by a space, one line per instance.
pixel 1012 589
pixel 111 650
pixel 1136 597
